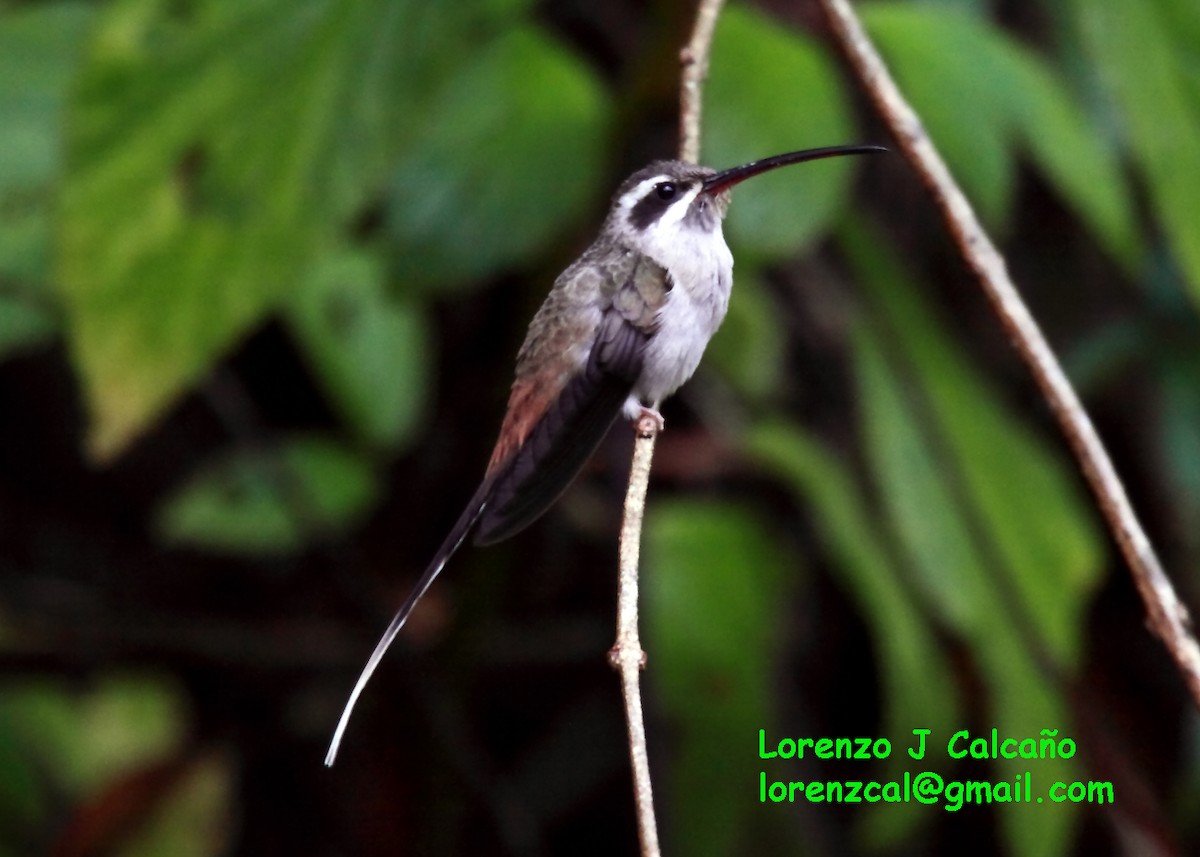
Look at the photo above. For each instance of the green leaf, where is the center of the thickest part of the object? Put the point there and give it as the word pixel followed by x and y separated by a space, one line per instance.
pixel 39 48
pixel 750 347
pixel 990 520
pixel 212 155
pixel 62 745
pixel 975 8
pixel 1041 523
pixel 270 502
pixel 981 95
pixel 1182 20
pixel 1072 154
pixel 715 590
pixel 80 739
pixel 1145 68
pixel 23 322
pixel 369 349
pixel 937 532
pixel 947 67
pixel 772 91
pixel 918 683
pixel 510 153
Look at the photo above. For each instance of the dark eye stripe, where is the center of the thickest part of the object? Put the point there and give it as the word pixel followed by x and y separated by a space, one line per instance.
pixel 658 199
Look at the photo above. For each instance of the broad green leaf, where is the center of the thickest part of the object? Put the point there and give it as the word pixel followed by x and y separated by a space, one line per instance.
pixel 771 91
pixel 511 151
pixel 62 744
pixel 749 349
pixel 269 502
pixel 81 739
pixel 989 519
pixel 1182 19
pixel 1071 154
pixel 1191 81
pixel 947 67
pixel 212 156
pixel 918 684
pixel 1137 55
pixel 951 545
pixel 976 8
pixel 982 95
pixel 368 349
pixel 1037 517
pixel 714 594
pixel 39 48
pixel 920 502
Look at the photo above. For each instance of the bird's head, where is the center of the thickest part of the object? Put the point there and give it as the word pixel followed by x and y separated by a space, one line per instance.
pixel 669 201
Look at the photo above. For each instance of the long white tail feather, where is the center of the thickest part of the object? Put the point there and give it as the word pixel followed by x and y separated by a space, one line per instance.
pixel 468 518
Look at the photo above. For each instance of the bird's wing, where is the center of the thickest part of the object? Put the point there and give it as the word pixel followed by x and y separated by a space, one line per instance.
pixel 567 433
pixel 574 417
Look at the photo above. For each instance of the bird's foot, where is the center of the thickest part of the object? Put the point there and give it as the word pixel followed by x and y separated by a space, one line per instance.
pixel 649 422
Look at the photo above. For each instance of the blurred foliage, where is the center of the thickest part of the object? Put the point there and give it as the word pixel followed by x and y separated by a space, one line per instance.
pixel 221 153
pixel 1011 578
pixel 116 755
pixel 1148 68
pixel 1017 105
pixel 750 348
pixel 39 51
pixel 367 346
pixel 914 671
pixel 715 568
pixel 745 116
pixel 345 211
pixel 513 149
pixel 270 501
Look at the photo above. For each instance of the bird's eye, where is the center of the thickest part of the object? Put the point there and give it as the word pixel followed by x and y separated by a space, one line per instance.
pixel 665 190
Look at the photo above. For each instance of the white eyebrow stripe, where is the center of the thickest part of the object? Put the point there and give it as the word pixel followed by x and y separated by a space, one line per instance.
pixel 639 191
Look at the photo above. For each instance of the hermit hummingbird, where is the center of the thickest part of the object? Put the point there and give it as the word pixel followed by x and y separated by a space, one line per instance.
pixel 622 328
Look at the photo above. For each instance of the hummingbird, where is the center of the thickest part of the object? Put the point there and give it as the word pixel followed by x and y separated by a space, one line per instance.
pixel 623 327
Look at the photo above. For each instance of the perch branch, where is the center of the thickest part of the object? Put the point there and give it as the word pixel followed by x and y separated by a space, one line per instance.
pixel 694 60
pixel 1168 617
pixel 626 654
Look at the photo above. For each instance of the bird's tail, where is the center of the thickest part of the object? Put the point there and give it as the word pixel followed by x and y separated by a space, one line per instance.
pixel 455 538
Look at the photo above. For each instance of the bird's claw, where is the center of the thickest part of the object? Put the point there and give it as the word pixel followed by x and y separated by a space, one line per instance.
pixel 649 422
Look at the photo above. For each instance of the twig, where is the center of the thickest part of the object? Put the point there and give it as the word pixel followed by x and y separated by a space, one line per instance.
pixel 1168 616
pixel 694 59
pixel 626 654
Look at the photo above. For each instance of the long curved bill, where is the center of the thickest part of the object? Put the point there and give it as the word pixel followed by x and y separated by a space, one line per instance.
pixel 728 178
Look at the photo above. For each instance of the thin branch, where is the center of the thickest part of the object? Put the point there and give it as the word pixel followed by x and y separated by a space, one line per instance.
pixel 694 60
pixel 626 654
pixel 1167 614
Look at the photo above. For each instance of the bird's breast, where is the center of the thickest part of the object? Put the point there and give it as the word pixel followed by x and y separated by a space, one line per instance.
pixel 694 309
